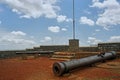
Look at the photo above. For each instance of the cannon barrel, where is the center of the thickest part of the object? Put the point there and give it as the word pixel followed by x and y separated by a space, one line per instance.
pixel 60 68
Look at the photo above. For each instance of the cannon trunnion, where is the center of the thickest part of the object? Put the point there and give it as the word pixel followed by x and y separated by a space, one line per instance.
pixel 60 68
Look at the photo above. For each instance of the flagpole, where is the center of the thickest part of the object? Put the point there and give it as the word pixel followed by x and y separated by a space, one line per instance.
pixel 73 21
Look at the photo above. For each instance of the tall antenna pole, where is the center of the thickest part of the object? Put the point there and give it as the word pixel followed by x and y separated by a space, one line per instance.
pixel 73 21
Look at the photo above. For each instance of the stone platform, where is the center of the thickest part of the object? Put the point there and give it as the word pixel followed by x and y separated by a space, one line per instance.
pixel 71 55
pixel 63 56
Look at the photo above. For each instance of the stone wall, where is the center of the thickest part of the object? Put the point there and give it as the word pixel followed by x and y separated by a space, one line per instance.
pixel 111 46
pixel 8 54
pixel 89 49
pixel 56 48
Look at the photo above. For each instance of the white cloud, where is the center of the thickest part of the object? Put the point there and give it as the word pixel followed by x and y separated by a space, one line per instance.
pixel 87 12
pixel 18 33
pixel 85 20
pixel 110 13
pixel 46 39
pixel 93 41
pixel 33 8
pixel 105 4
pixel 15 40
pixel 62 18
pixel 54 29
pixel 64 29
pixel 114 39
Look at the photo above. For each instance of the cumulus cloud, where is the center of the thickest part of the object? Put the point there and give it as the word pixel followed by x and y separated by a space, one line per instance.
pixel 62 18
pixel 87 12
pixel 85 20
pixel 93 40
pixel 114 39
pixel 64 29
pixel 105 4
pixel 18 33
pixel 33 8
pixel 110 13
pixel 54 29
pixel 46 39
pixel 15 40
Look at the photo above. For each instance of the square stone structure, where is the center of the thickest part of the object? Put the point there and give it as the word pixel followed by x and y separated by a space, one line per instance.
pixel 74 45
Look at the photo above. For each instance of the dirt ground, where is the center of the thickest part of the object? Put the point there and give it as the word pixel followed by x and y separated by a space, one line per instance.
pixel 41 69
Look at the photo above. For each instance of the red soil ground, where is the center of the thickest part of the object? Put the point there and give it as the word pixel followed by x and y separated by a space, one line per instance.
pixel 41 69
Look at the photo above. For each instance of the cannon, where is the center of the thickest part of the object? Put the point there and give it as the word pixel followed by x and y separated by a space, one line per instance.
pixel 60 68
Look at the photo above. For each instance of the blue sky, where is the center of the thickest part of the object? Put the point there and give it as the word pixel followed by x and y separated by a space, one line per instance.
pixel 29 23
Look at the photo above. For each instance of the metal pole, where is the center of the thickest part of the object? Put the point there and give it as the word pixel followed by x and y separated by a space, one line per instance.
pixel 73 21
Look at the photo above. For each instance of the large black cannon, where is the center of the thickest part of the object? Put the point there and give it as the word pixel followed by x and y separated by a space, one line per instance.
pixel 60 68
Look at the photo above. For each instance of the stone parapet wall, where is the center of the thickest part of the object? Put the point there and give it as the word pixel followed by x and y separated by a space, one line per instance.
pixel 8 54
pixel 56 48
pixel 89 49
